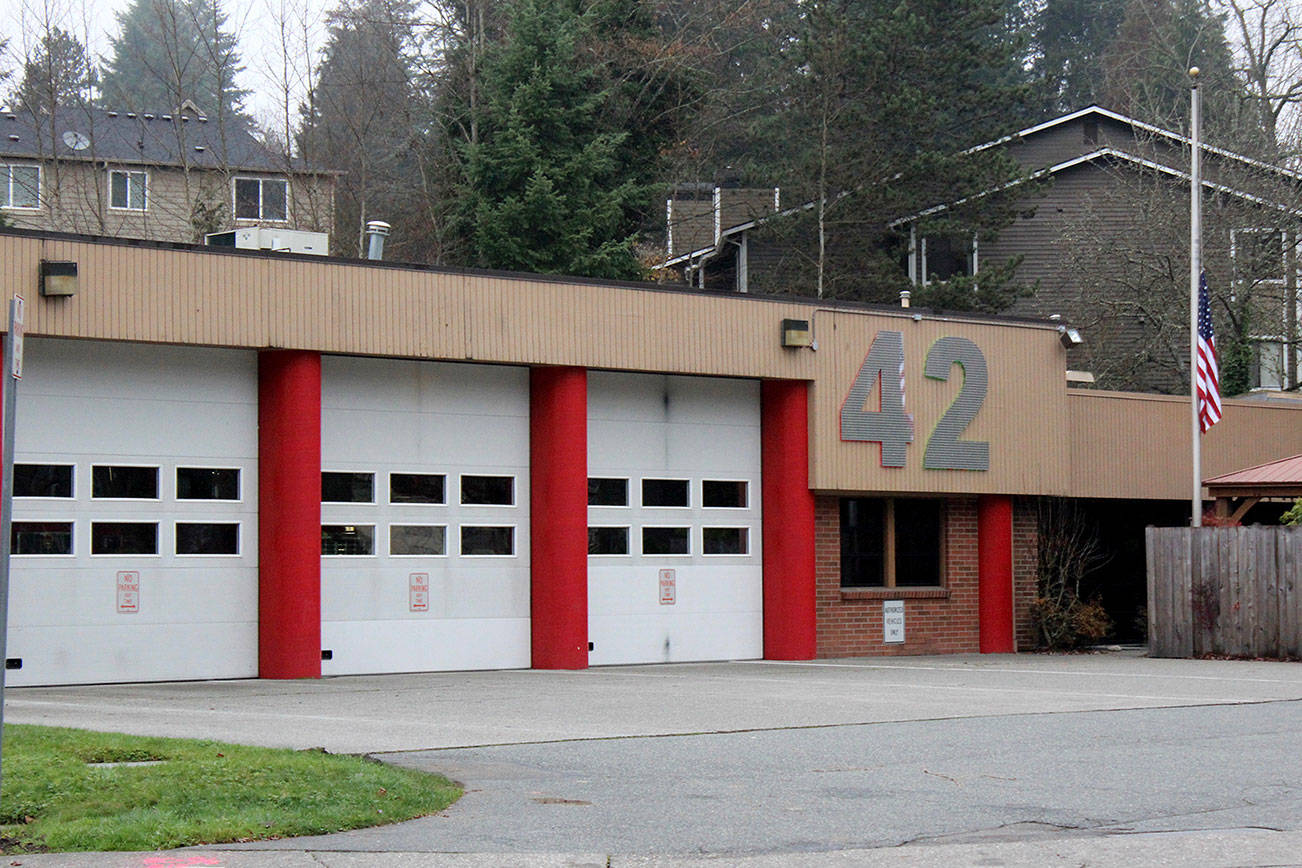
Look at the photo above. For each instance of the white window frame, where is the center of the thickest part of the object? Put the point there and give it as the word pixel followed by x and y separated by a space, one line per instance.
pixel 446 542
pixel 6 203
pixel 176 484
pixel 918 273
pixel 641 494
pixel 40 499
pixel 747 482
pixel 374 542
pixel 628 539
pixel 129 207
pixel 158 475
pixel 641 546
pixel 62 520
pixel 158 538
pixel 239 538
pixel 262 218
pixel 515 540
pixel 461 502
pixel 744 554
pixel 628 494
pixel 389 501
pixel 374 493
pixel 1235 234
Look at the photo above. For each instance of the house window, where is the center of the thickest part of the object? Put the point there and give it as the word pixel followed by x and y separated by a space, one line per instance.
pixel 127 190
pixel 891 542
pixel 941 257
pixel 261 199
pixel 1260 256
pixel 20 186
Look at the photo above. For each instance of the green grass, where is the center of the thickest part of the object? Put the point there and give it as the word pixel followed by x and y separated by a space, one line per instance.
pixel 204 792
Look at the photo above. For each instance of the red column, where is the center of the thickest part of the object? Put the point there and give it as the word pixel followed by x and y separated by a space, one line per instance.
pixel 790 625
pixel 558 517
pixel 995 573
pixel 289 514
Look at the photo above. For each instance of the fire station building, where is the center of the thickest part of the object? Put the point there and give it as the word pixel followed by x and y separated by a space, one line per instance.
pixel 234 464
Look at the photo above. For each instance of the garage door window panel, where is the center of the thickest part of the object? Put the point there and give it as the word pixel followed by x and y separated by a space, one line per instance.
pixel 672 493
pixel 347 540
pixel 666 541
pixel 487 490
pixel 45 538
pixel 418 540
pixel 124 538
pixel 420 488
pixel 478 541
pixel 347 487
pixel 725 541
pixel 207 538
pixel 725 494
pixel 120 482
pixel 608 541
pixel 607 491
pixel 43 480
pixel 207 483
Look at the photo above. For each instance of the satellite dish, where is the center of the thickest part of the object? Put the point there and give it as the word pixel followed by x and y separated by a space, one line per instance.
pixel 76 141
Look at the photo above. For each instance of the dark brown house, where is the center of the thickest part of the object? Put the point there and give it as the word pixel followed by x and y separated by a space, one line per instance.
pixel 1102 243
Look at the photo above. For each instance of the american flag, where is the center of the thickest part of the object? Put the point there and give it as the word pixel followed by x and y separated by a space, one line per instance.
pixel 1209 377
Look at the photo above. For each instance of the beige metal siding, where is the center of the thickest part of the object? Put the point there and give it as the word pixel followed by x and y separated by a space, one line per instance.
pixel 1137 446
pixel 1017 418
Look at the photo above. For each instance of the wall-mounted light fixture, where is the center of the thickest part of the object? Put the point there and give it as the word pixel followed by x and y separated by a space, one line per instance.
pixel 1069 337
pixel 796 333
pixel 58 278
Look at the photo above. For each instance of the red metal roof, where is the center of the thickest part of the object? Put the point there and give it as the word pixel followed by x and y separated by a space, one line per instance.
pixel 1285 471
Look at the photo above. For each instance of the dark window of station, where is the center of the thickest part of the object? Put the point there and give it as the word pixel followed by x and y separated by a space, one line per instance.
pixel 666 541
pixel 42 480
pixel 207 483
pixel 665 492
pixel 124 483
pixel 891 542
pixel 479 540
pixel 947 257
pixel 607 540
pixel 719 494
pixel 343 487
pixel 487 490
pixel 863 542
pixel 417 488
pixel 607 492
pixel 41 538
pixel 124 538
pixel 725 540
pixel 417 539
pixel 207 538
pixel 347 539
pixel 918 542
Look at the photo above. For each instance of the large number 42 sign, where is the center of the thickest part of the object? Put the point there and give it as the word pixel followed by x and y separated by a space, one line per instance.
pixel 893 428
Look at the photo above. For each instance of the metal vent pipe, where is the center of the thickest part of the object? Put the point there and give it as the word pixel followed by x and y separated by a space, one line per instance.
pixel 376 232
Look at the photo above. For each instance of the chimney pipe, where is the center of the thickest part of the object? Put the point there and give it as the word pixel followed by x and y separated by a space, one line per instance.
pixel 904 297
pixel 376 232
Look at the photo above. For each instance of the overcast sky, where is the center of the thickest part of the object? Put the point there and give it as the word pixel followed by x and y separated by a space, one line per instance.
pixel 255 22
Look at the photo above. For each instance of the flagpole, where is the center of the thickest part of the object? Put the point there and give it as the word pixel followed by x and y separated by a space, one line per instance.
pixel 1195 269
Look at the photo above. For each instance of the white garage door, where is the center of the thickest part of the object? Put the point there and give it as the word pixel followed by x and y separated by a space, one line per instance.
pixel 674 566
pixel 425 516
pixel 135 514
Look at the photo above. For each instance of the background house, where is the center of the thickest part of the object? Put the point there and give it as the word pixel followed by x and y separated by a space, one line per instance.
pixel 1102 242
pixel 167 176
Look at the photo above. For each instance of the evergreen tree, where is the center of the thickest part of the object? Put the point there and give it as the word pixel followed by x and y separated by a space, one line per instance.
pixel 575 107
pixel 169 51
pixel 1068 41
pixel 59 73
pixel 872 122
pixel 360 119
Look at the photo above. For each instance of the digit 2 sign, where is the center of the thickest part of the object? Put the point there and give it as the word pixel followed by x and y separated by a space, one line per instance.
pixel 890 426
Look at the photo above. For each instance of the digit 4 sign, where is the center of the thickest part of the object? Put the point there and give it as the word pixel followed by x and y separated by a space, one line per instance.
pixel 890 426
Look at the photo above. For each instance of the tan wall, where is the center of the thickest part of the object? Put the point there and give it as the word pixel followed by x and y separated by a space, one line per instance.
pixel 1044 439
pixel 1138 446
pixel 75 198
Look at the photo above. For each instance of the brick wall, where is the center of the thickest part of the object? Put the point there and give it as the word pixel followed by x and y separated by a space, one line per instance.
pixel 936 620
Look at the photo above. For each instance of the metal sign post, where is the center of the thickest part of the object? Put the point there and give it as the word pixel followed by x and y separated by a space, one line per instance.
pixel 13 372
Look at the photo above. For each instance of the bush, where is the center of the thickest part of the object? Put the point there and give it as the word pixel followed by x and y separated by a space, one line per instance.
pixel 1062 627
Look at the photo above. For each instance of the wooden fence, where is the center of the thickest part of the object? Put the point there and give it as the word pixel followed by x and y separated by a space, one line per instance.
pixel 1225 590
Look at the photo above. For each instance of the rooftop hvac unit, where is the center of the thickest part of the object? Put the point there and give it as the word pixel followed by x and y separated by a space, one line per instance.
pixel 276 240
